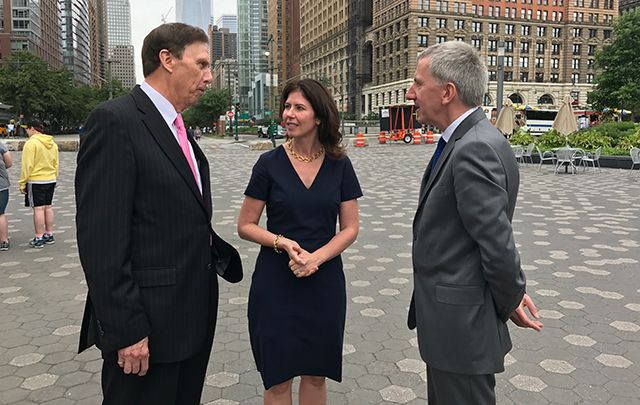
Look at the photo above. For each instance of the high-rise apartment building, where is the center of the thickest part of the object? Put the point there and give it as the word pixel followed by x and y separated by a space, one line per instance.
pixel 225 76
pixel 98 41
pixel 76 39
pixel 32 26
pixel 628 5
pixel 549 45
pixel 228 21
pixel 194 12
pixel 223 44
pixel 120 60
pixel 253 42
pixel 333 47
pixel 284 28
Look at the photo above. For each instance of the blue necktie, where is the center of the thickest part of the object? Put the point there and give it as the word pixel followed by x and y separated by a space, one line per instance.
pixel 436 155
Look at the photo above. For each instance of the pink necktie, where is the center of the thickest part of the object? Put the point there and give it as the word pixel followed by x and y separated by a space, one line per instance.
pixel 184 145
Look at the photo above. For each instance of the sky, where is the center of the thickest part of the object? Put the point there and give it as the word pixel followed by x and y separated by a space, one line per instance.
pixel 147 14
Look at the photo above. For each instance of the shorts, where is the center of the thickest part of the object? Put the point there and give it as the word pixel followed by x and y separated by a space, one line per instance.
pixel 4 200
pixel 39 194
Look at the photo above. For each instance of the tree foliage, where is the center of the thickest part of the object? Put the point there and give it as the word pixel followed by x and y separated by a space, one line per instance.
pixel 212 104
pixel 618 83
pixel 34 89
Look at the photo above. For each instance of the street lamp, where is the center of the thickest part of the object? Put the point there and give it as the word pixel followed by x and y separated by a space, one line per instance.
pixel 500 84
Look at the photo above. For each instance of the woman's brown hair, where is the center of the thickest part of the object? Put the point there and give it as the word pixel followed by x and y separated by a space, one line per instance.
pixel 326 112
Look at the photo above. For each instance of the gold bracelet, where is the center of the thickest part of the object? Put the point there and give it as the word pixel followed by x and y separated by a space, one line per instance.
pixel 275 243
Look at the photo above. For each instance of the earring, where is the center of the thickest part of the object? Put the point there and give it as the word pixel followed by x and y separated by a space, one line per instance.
pixel 317 122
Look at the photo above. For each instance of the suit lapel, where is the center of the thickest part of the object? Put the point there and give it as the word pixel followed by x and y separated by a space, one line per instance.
pixel 164 137
pixel 431 175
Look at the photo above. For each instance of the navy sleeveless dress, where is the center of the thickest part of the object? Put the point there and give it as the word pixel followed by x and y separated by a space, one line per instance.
pixel 296 325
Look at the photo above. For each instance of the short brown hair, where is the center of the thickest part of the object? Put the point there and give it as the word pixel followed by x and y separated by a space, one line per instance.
pixel 36 124
pixel 174 37
pixel 326 112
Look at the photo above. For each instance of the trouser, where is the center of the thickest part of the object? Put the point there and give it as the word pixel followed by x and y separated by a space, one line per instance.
pixel 444 388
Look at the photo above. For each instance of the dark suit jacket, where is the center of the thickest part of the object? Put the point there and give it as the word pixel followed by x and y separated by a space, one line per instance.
pixel 467 276
pixel 144 232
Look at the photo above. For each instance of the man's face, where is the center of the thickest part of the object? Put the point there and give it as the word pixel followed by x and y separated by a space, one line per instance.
pixel 191 75
pixel 426 94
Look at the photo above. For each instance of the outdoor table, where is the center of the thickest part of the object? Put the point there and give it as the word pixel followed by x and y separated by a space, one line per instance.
pixel 576 154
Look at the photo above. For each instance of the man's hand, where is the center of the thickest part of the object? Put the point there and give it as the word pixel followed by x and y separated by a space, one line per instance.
pixel 135 358
pixel 520 318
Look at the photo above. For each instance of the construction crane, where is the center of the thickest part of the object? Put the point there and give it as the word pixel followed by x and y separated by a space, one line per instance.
pixel 164 16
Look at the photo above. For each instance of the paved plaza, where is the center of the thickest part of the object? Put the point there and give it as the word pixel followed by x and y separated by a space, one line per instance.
pixel 579 239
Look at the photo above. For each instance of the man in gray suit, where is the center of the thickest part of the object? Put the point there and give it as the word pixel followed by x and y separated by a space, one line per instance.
pixel 467 276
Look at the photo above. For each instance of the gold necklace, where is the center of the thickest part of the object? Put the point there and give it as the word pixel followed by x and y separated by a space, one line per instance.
pixel 305 159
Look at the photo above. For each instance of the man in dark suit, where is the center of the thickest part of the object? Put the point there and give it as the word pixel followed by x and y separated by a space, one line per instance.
pixel 467 276
pixel 146 244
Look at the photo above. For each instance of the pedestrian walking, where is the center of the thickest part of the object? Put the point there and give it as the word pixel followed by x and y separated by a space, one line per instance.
pixel 5 163
pixel 37 182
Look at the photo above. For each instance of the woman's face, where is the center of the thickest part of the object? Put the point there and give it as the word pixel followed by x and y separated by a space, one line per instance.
pixel 298 116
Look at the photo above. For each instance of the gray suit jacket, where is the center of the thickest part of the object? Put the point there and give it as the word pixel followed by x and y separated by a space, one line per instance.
pixel 467 275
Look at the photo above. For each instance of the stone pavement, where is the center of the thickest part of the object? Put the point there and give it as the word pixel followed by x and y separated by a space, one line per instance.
pixel 579 238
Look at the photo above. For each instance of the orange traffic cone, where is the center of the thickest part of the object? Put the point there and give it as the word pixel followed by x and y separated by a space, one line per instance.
pixel 360 140
pixel 429 137
pixel 382 138
pixel 416 137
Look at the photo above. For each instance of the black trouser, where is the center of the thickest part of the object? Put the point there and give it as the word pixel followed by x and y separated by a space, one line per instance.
pixel 444 388
pixel 165 383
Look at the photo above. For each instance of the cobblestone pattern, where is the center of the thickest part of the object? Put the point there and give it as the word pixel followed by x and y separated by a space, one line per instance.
pixel 579 240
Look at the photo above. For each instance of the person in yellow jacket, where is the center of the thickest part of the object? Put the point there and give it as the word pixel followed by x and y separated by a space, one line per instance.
pixel 38 181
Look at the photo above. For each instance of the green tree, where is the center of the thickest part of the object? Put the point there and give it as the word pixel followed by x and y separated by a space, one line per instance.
pixel 618 83
pixel 212 104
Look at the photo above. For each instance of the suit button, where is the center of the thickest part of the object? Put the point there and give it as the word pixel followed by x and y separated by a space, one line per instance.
pixel 209 266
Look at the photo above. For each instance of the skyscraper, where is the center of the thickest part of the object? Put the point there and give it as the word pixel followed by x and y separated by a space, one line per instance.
pixel 228 21
pixel 121 53
pixel 253 42
pixel 194 12
pixel 76 39
pixel 32 26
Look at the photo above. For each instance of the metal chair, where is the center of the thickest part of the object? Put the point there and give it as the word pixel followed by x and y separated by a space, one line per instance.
pixel 518 151
pixel 567 156
pixel 546 156
pixel 594 158
pixel 635 159
pixel 527 154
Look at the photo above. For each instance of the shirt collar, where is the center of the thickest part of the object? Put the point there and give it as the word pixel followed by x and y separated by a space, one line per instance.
pixel 446 135
pixel 163 105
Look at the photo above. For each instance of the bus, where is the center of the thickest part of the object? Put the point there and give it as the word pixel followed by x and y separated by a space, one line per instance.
pixel 539 121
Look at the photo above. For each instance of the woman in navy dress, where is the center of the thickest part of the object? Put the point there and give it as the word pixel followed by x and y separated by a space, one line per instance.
pixel 297 301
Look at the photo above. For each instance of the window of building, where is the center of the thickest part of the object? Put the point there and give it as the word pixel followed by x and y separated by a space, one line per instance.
pixel 539 63
pixel 458 24
pixel 540 48
pixel 509 29
pixel 525 30
pixel 590 77
pixel 508 46
pixel 555 49
pixel 524 47
pixel 576 49
pixel 494 28
pixel 480 10
pixel 592 50
pixel 508 61
pixel 553 77
pixel 590 64
pixel 476 43
pixel 555 63
pixel 575 78
pixel 440 39
pixel 524 61
pixel 577 32
pixel 492 60
pixel 524 76
pixel 575 63
pixel 493 45
pixel 593 33
pixel 423 41
pixel 493 76
pixel 490 13
pixel 423 21
pixel 508 76
pixel 606 34
pixel 441 23
pixel 541 31
pixel 497 11
pixel 476 26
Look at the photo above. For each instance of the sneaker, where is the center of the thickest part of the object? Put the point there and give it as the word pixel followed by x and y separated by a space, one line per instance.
pixel 48 239
pixel 37 243
pixel 4 246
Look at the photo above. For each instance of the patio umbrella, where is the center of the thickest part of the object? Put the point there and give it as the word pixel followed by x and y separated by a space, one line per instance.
pixel 506 118
pixel 565 121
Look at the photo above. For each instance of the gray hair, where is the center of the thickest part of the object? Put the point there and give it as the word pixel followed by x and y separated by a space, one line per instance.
pixel 457 62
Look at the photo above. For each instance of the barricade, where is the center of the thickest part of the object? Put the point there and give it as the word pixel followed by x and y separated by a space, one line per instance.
pixel 429 137
pixel 360 140
pixel 382 138
pixel 416 137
